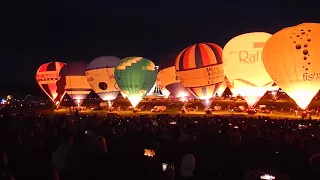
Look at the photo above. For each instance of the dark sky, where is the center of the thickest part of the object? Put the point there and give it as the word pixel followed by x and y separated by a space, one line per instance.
pixel 38 31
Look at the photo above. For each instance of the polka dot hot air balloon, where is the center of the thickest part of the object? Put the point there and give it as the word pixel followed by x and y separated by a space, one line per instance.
pixel 291 57
pixel 47 76
pixel 100 76
pixel 199 68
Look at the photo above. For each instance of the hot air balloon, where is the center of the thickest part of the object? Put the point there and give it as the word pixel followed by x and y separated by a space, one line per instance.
pixel 291 57
pixel 172 83
pixel 47 77
pixel 199 68
pixel 74 78
pixel 135 77
pixel 100 76
pixel 244 67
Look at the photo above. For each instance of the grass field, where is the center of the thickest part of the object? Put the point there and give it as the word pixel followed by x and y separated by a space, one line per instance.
pixel 173 113
pixel 174 108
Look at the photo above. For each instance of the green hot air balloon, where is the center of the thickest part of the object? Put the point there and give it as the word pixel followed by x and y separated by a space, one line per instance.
pixel 135 77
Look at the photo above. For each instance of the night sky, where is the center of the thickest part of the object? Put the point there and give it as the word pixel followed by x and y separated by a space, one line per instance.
pixel 36 32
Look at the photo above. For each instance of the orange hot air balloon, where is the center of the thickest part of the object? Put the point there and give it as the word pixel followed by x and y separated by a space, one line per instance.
pixel 47 76
pixel 74 79
pixel 199 68
pixel 171 82
pixel 291 57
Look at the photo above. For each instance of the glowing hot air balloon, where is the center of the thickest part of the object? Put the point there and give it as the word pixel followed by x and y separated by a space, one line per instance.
pixel 47 76
pixel 172 83
pixel 244 67
pixel 74 78
pixel 291 57
pixel 199 68
pixel 100 76
pixel 135 77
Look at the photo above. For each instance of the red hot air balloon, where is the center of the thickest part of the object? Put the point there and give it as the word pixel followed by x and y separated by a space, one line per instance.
pixel 47 76
pixel 199 68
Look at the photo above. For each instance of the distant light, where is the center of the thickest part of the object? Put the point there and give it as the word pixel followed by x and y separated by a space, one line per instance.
pixel 3 101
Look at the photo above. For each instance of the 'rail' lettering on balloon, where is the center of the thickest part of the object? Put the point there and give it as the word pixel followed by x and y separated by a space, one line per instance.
pixel 246 57
pixel 311 76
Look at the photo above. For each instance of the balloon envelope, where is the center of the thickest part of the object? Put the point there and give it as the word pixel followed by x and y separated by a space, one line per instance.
pixel 199 68
pixel 244 67
pixel 135 77
pixel 76 84
pixel 171 82
pixel 291 57
pixel 274 87
pixel 223 86
pixel 47 77
pixel 100 76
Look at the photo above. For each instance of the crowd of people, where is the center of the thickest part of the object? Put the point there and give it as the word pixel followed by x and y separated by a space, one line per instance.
pixel 160 147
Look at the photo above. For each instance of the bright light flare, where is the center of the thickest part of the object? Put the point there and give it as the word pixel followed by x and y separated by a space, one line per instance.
pixel 134 100
pixel 182 94
pixel 251 94
pixel 302 97
pixel 206 102
pixel 267 177
pixel 78 101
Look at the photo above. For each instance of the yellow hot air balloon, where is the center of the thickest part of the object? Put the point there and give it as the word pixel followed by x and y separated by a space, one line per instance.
pixel 244 67
pixel 291 57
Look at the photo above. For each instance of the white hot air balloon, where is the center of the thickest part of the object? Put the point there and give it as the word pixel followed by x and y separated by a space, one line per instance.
pixel 244 67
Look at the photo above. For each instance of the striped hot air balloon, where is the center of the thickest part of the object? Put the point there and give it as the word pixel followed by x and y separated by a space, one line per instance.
pixel 74 78
pixel 199 68
pixel 47 76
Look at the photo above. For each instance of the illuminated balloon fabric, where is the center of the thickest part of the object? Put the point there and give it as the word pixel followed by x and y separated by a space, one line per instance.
pixel 291 57
pixel 223 86
pixel 274 87
pixel 171 82
pixel 135 77
pixel 76 84
pixel 244 67
pixel 199 68
pixel 100 76
pixel 47 77
pixel 230 86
